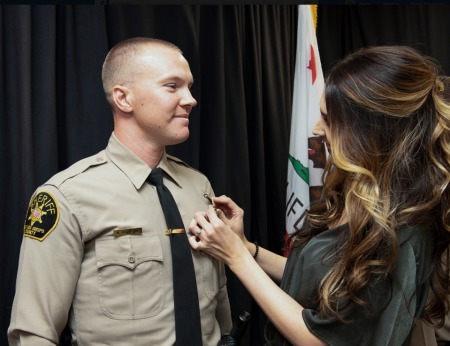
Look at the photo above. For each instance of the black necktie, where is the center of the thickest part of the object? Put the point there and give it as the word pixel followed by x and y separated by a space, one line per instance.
pixel 187 313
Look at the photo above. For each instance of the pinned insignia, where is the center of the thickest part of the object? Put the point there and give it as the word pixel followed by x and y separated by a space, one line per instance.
pixel 128 231
pixel 210 199
pixel 42 216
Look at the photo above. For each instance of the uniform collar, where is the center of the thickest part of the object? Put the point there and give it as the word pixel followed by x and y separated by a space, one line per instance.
pixel 168 166
pixel 132 166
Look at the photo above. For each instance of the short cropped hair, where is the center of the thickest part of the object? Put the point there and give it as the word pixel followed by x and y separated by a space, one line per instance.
pixel 118 65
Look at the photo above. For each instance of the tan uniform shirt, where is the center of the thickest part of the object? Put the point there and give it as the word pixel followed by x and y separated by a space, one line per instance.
pixel 95 250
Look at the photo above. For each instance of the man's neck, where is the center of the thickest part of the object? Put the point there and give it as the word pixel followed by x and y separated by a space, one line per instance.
pixel 146 151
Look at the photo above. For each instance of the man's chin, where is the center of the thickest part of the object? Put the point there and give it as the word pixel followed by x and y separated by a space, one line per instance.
pixel 180 138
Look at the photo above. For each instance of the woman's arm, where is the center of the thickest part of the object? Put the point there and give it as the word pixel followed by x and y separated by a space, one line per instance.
pixel 284 312
pixel 218 240
pixel 270 262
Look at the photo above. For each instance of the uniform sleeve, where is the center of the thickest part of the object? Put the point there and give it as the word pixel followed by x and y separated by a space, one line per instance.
pixel 391 326
pixel 49 267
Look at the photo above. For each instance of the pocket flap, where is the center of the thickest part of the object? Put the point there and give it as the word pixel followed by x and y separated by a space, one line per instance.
pixel 128 251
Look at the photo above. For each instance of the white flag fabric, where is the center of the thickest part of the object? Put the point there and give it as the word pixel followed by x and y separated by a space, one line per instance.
pixel 306 152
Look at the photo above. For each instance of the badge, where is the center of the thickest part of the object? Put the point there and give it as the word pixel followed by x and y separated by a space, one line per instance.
pixel 210 199
pixel 42 216
pixel 127 231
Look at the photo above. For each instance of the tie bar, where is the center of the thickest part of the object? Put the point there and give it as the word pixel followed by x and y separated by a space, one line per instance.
pixel 174 231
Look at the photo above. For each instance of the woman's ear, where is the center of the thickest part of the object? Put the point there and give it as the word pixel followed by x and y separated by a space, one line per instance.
pixel 122 97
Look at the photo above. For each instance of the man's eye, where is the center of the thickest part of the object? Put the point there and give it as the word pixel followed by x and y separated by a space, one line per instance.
pixel 172 86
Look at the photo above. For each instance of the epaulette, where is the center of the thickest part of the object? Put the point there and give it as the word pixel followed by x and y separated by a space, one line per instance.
pixel 78 168
pixel 181 162
pixel 176 159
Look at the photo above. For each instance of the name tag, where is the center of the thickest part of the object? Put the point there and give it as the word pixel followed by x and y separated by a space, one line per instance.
pixel 128 231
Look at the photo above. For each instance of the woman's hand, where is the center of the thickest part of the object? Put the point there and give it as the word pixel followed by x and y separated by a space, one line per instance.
pixel 213 232
pixel 230 213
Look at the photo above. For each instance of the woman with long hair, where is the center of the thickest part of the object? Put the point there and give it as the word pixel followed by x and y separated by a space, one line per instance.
pixel 369 259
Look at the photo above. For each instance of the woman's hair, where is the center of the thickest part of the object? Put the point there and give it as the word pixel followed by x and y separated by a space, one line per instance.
pixel 389 166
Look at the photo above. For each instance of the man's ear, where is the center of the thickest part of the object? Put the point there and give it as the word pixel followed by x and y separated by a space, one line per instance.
pixel 122 97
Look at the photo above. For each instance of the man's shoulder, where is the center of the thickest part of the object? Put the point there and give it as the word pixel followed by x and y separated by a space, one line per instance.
pixel 78 168
pixel 177 162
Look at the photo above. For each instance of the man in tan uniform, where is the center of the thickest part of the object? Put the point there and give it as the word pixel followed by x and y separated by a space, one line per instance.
pixel 94 252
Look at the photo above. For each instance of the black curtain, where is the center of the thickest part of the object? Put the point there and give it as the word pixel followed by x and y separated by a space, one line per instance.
pixel 53 111
pixel 342 29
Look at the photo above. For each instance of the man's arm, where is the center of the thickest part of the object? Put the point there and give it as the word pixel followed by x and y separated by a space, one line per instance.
pixel 49 267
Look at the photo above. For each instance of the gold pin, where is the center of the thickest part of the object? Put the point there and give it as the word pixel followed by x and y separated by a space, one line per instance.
pixel 207 196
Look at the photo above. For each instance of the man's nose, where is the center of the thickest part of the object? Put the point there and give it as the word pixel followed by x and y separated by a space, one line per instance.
pixel 188 99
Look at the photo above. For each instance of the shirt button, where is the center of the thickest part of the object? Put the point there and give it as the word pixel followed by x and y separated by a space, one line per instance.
pixel 99 159
pixel 131 259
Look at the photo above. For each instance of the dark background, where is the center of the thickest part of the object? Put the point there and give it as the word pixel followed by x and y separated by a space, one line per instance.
pixel 53 111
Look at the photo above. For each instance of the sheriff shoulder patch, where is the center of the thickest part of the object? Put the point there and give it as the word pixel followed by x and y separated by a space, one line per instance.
pixel 42 216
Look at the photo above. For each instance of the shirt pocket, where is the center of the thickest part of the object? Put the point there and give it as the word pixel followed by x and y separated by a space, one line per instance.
pixel 130 276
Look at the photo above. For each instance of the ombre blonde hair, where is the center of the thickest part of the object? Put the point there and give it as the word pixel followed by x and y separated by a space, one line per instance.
pixel 389 127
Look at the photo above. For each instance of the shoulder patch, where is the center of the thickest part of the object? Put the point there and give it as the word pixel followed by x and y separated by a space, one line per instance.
pixel 42 216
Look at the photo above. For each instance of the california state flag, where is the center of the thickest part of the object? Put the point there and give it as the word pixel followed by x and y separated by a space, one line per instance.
pixel 306 152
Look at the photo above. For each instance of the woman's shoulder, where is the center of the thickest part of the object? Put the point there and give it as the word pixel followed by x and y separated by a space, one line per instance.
pixel 418 234
pixel 416 248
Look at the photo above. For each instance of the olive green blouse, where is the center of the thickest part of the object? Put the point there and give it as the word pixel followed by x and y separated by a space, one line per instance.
pixel 394 303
